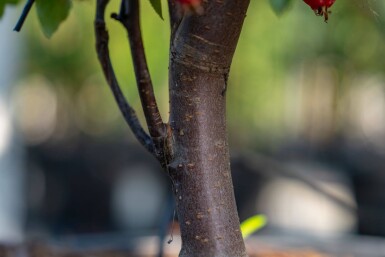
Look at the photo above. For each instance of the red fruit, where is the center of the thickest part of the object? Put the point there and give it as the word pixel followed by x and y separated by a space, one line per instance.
pixel 187 1
pixel 189 6
pixel 320 7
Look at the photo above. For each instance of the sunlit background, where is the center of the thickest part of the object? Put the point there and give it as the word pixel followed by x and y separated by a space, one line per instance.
pixel 306 117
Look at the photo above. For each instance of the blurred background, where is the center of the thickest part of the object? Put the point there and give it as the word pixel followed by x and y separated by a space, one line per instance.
pixel 306 117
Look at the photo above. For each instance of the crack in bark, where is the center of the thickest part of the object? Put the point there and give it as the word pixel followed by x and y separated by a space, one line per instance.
pixel 192 62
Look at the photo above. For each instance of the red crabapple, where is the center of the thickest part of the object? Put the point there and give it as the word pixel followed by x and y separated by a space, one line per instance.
pixel 320 7
pixel 188 6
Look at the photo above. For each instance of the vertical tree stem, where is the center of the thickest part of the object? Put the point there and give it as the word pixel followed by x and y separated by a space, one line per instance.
pixel 201 53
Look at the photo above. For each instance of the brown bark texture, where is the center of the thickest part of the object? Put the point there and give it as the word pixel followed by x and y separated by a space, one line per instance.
pixel 192 147
pixel 202 49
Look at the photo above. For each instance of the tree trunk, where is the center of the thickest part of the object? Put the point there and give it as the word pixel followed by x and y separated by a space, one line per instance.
pixel 202 48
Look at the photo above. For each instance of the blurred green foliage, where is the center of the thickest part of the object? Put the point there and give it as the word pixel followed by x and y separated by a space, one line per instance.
pixel 271 52
pixel 272 49
pixel 51 14
pixel 4 3
pixel 279 6
pixel 157 4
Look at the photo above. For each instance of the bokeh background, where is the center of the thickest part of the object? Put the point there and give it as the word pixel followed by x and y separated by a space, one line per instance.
pixel 306 117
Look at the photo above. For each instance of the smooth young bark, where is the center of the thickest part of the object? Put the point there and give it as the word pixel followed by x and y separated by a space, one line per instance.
pixel 202 48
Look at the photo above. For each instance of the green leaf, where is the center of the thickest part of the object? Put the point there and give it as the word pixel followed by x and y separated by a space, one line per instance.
pixel 3 4
pixel 279 6
pixel 252 224
pixel 157 5
pixel 51 14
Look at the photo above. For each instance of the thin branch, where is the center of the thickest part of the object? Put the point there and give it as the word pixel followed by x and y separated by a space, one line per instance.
pixel 23 15
pixel 128 112
pixel 129 16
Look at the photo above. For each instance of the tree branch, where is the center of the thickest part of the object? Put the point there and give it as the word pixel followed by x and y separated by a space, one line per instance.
pixel 175 17
pixel 129 17
pixel 23 15
pixel 128 112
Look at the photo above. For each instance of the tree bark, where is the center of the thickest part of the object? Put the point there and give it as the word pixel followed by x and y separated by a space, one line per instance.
pixel 193 146
pixel 202 48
